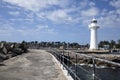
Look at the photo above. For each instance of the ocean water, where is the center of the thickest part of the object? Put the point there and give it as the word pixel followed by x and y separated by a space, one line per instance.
pixel 85 72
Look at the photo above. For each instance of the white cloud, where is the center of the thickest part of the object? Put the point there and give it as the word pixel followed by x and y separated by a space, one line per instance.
pixel 30 5
pixel 83 3
pixel 105 0
pixel 111 18
pixel 36 5
pixel 86 3
pixel 40 29
pixel 30 15
pixel 45 29
pixel 14 13
pixel 59 15
pixel 64 14
pixel 39 6
pixel 115 3
pixel 118 11
pixel 8 29
pixel 30 20
pixel 92 4
pixel 41 15
pixel 93 11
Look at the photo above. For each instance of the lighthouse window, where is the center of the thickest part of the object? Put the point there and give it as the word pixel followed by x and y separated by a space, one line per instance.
pixel 95 21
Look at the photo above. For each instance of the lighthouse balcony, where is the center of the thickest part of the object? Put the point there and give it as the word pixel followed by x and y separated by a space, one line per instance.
pixel 93 26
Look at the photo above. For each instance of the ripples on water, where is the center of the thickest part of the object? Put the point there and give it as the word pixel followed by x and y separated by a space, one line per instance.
pixel 102 72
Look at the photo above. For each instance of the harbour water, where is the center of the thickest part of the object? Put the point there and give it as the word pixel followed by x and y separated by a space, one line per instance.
pixel 85 72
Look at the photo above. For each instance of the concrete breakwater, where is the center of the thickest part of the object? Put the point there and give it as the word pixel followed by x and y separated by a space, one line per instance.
pixel 35 65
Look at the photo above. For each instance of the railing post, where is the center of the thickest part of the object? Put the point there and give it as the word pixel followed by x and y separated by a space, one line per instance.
pixel 60 60
pixel 68 62
pixel 76 66
pixel 93 60
pixel 63 60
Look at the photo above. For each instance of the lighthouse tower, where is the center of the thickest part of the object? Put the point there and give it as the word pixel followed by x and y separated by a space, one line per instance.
pixel 93 38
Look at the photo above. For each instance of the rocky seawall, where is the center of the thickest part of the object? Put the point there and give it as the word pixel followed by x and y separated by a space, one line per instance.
pixel 8 50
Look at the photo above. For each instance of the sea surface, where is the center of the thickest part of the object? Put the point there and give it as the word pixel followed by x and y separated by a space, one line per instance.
pixel 85 72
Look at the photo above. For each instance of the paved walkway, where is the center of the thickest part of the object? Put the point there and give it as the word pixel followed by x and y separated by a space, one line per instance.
pixel 35 65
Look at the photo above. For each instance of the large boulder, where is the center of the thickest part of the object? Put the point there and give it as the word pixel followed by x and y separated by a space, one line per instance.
pixel 17 51
pixel 2 57
pixel 24 47
pixel 5 50
pixel 116 60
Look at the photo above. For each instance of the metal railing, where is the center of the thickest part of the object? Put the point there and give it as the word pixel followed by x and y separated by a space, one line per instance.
pixel 61 58
pixel 74 72
pixel 66 65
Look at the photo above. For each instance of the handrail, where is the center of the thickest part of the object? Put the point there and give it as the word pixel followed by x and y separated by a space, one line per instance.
pixel 107 61
pixel 104 60
pixel 71 71
pixel 81 68
pixel 62 55
pixel 57 53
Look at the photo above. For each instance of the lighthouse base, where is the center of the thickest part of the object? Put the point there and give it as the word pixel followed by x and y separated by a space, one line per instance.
pixel 96 51
pixel 93 50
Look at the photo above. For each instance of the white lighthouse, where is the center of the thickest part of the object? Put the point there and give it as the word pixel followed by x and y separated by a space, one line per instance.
pixel 93 38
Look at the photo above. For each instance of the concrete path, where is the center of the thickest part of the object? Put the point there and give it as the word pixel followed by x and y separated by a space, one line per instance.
pixel 35 65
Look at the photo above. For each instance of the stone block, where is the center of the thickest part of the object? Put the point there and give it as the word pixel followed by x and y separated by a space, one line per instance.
pixel 4 50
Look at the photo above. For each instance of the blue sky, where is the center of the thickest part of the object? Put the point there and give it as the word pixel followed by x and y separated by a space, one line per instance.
pixel 58 20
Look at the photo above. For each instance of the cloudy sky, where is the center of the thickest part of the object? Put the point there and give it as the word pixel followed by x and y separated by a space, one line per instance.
pixel 58 20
